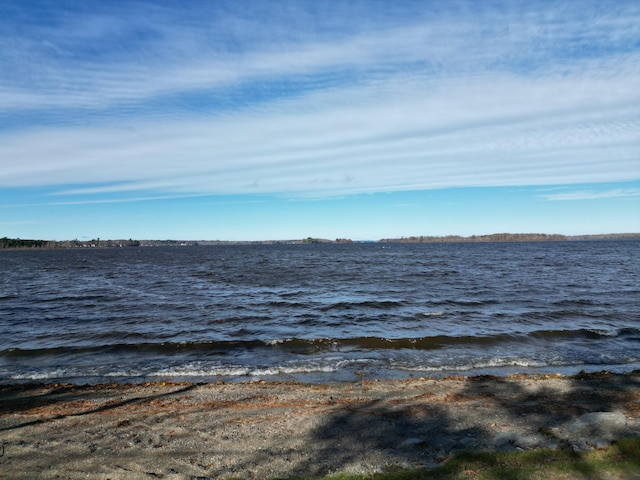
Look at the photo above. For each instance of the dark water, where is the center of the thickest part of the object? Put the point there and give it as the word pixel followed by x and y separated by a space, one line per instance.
pixel 318 312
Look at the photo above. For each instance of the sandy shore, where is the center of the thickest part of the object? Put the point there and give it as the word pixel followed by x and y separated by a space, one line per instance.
pixel 266 430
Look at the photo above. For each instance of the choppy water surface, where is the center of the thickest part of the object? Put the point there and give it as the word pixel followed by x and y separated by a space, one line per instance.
pixel 318 312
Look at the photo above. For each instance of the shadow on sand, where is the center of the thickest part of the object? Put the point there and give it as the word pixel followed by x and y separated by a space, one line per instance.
pixel 369 427
pixel 23 398
pixel 487 414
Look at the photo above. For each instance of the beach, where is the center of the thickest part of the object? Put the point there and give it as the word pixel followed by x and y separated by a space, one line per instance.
pixel 263 429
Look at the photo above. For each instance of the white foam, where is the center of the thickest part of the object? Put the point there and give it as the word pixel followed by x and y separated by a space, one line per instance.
pixel 124 373
pixel 40 375
pixel 293 370
pixel 206 371
pixel 604 333
pixel 489 363
pixel 277 341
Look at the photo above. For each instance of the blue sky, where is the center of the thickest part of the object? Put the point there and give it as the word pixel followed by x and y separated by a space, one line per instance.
pixel 276 120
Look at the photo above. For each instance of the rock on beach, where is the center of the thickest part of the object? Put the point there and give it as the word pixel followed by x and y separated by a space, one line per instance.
pixel 604 424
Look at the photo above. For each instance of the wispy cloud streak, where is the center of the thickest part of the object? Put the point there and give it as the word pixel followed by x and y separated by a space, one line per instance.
pixel 593 195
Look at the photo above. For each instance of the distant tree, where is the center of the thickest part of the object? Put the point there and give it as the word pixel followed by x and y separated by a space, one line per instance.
pixel 21 243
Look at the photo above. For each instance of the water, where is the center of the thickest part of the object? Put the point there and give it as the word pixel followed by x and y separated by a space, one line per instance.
pixel 318 313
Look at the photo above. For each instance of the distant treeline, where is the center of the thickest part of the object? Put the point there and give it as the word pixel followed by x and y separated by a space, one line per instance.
pixel 20 243
pixel 23 243
pixel 608 236
pixel 511 237
pixel 496 237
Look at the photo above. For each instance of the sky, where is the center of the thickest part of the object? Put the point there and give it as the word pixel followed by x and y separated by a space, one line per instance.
pixel 255 120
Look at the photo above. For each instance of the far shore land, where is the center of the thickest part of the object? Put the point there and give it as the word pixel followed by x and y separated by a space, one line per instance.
pixel 25 244
pixel 278 430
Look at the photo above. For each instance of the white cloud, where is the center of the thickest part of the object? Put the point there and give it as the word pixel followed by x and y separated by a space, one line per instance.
pixel 456 101
pixel 59 71
pixel 630 193
pixel 502 131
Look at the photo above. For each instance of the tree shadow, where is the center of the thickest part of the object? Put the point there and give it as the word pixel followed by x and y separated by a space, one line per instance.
pixel 531 401
pixel 23 397
pixel 405 433
pixel 43 399
pixel 488 414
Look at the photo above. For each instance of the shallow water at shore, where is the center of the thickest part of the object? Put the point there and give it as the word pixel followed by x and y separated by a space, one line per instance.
pixel 318 313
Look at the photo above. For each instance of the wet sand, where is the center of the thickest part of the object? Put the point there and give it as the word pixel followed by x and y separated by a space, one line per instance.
pixel 267 430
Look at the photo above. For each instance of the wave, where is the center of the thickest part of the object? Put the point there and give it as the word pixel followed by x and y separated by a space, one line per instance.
pixel 336 369
pixel 465 303
pixel 84 297
pixel 373 304
pixel 8 296
pixel 315 345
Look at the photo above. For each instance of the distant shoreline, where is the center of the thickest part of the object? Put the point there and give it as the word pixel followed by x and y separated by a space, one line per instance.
pixel 22 244
pixel 512 237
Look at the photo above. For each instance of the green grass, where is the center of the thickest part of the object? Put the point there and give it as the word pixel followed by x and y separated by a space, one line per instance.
pixel 621 461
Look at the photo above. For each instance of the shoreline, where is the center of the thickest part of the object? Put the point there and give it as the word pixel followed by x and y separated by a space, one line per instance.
pixel 262 429
pixel 360 379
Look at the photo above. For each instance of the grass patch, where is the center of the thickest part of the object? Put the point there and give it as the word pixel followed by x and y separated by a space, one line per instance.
pixel 620 461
